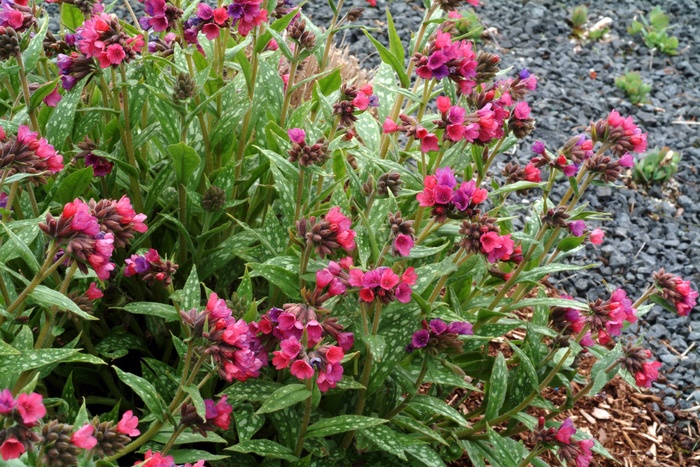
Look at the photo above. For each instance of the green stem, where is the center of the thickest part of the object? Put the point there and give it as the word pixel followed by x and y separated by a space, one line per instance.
pixel 182 210
pixel 27 95
pixel 331 33
pixel 410 396
pixel 172 439
pixel 306 419
pixel 290 84
pixel 534 453
pixel 48 322
pixel 10 201
pixel 127 137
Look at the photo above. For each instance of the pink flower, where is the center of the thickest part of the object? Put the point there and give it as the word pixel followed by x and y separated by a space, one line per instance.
pixel 83 437
pixel 566 431
pixel 521 111
pixel 53 98
pixel 93 292
pixel 31 408
pixel 443 104
pixel 389 279
pixel 389 126
pixel 585 457
pixel 409 276
pixel 489 241
pixel 296 135
pixel 577 227
pixel 649 374
pixel 627 160
pixel 204 11
pixel 532 173
pixel 128 425
pixel 302 370
pixel 11 449
pixel 403 244
pixel 155 459
pixel 220 413
pixel 372 2
pixel 429 143
pixel 596 236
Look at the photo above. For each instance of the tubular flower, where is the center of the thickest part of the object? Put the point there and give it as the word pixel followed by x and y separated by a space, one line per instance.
pixel 483 235
pixel 608 317
pixel 246 15
pixel 437 336
pixel 73 68
pixel 102 37
pixel 17 15
pixel 383 284
pixel 208 20
pixel 232 344
pixel 100 166
pixel 620 133
pixel 441 192
pixel 162 15
pixel 570 451
pixel 218 415
pixel 305 364
pixel 78 232
pixel 26 153
pixel 305 154
pixel 676 291
pixel 328 234
pixel 118 218
pixel 636 362
pixel 402 233
pixel 447 59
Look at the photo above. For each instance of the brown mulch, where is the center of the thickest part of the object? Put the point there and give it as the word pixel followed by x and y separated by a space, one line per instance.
pixel 624 422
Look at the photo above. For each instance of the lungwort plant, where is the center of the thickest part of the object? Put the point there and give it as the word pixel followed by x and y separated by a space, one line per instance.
pixel 210 255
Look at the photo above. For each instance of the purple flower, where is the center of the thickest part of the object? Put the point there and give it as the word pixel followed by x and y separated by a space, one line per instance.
pixel 524 73
pixel 460 327
pixel 446 176
pixel 420 339
pixel 538 148
pixel 296 135
pixel 438 326
pixel 100 165
pixel 627 160
pixel 577 227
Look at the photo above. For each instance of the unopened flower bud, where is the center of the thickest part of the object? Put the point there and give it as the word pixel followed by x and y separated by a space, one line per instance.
pixel 184 87
pixel 355 14
pixel 9 43
pixel 389 182
pixel 213 199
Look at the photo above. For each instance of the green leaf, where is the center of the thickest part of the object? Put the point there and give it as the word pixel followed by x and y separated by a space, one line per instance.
pixel 118 345
pixel 251 390
pixel 185 161
pixel 522 185
pixel 498 384
pixel 60 125
pixel 167 312
pixel 285 396
pixel 377 345
pixel 197 400
pixel 410 424
pixel 286 280
pixel 30 57
pixel 48 298
pixel 569 243
pixel 74 185
pixel 384 438
pixel 191 295
pixel 247 423
pixel 395 44
pixel 341 424
pixel 264 448
pixel 38 96
pixel 424 455
pixel 502 450
pixel 390 59
pixel 32 359
pixel 330 83
pixel 434 406
pixel 182 456
pixel 18 246
pixel 551 302
pixel 71 17
pixel 145 390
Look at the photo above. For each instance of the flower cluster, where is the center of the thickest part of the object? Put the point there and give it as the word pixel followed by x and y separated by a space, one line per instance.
pixel 402 234
pixel 676 291
pixel 231 343
pixel 16 14
pixel 73 68
pixel 636 361
pixel 447 59
pixel 101 167
pixel 28 154
pixel 102 37
pixel 328 234
pixel 304 363
pixel 208 20
pixel 413 129
pixel 383 284
pixel 569 450
pixel 445 196
pixel 150 267
pixel 305 154
pixel 118 218
pixel 162 15
pixel 217 415
pixel 437 336
pixel 353 101
pixel 559 162
pixel 246 14
pixel 482 234
pixel 78 232
pixel 606 318
pixel 156 459
pixel 620 133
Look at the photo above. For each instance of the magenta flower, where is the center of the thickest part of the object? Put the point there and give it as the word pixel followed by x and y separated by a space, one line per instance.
pixel 439 336
pixel 83 437
pixel 7 402
pixel 128 425
pixel 627 160
pixel 566 431
pixel 93 292
pixel 577 227
pixel 596 237
pixel 538 148
pixel 420 338
pixel 218 414
pixel 297 135
pixel 102 37
pixel 403 244
pixel 31 408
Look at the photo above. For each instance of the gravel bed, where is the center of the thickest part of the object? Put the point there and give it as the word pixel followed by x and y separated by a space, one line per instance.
pixel 650 228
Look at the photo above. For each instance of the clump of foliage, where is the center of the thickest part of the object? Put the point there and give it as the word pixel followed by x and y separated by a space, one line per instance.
pixel 635 89
pixel 653 30
pixel 656 167
pixel 210 254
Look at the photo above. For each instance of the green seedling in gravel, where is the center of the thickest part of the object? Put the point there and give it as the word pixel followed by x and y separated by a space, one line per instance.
pixel 657 167
pixel 577 22
pixel 636 90
pixel 654 31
